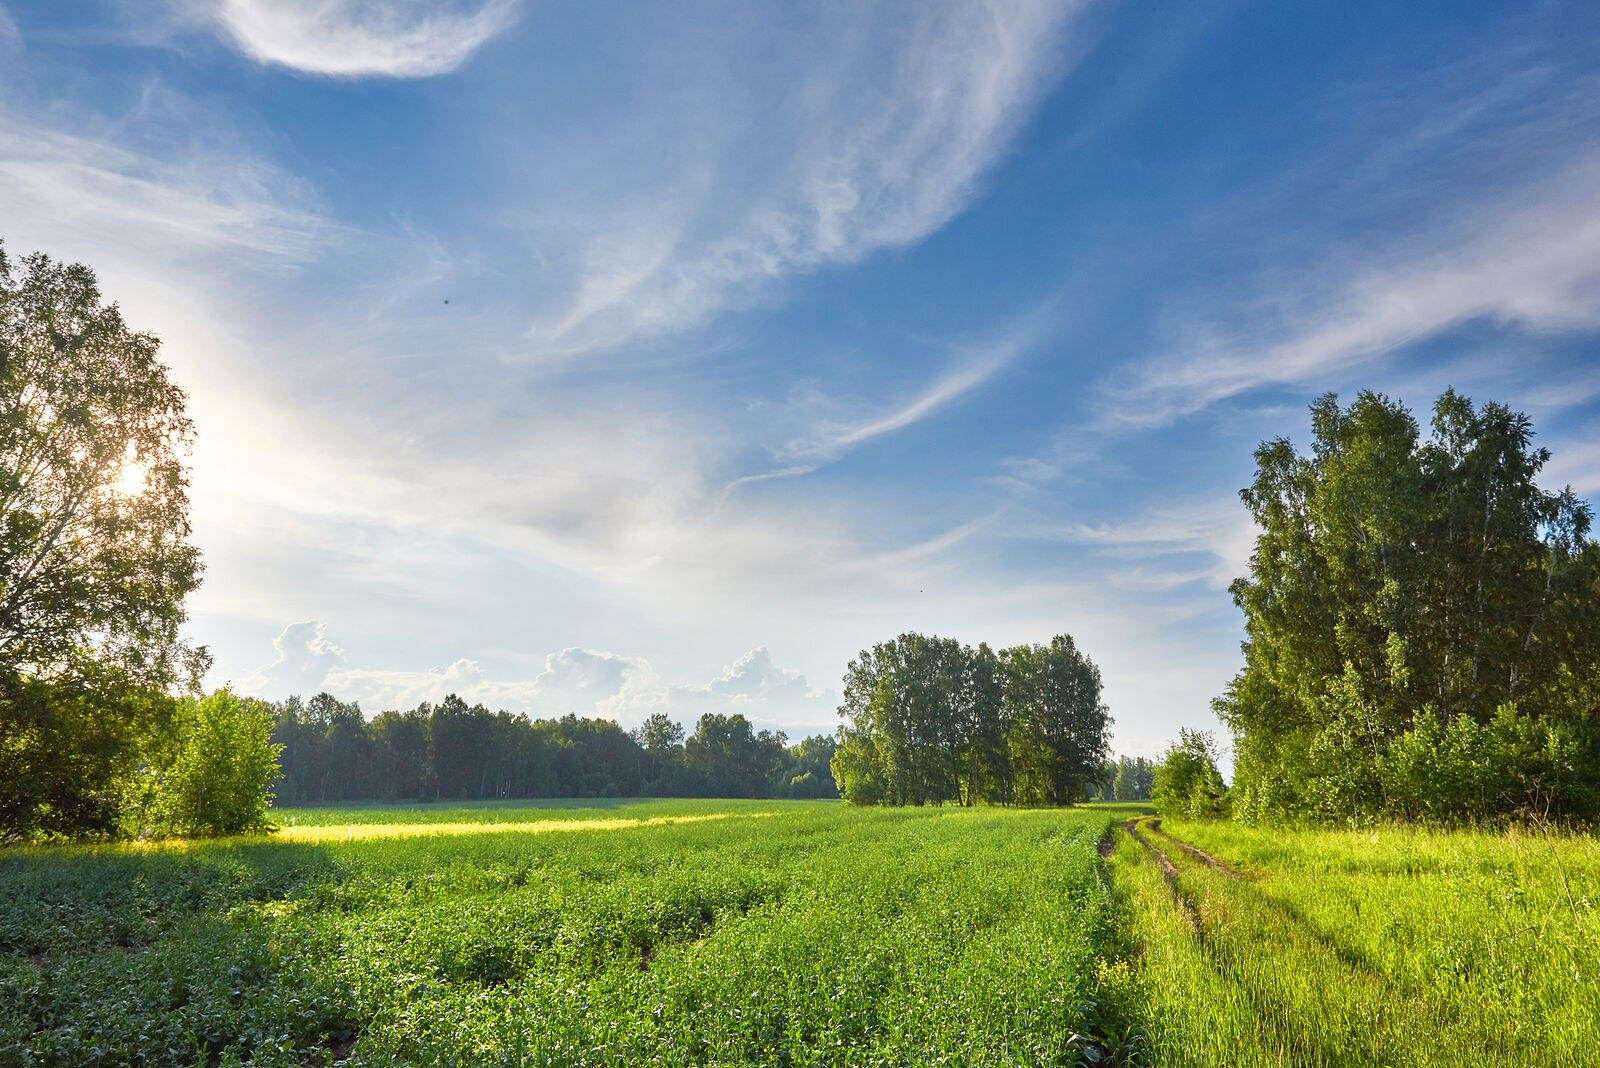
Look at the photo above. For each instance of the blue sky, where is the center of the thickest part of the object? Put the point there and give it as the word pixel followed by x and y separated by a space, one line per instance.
pixel 620 359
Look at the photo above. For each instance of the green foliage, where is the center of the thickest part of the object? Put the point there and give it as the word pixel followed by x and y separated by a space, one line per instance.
pixel 1133 779
pixel 729 759
pixel 1396 579
pixel 929 720
pixel 219 781
pixel 1186 782
pixel 855 767
pixel 1478 770
pixel 333 753
pixel 771 933
pixel 70 751
pixel 94 562
pixel 94 507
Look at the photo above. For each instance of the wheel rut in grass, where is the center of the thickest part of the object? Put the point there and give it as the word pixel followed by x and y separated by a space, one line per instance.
pixel 1290 914
pixel 1169 874
pixel 1199 854
pixel 1225 916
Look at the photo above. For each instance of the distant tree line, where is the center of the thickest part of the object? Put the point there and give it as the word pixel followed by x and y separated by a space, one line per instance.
pixel 1423 623
pixel 929 720
pixel 454 751
pixel 1126 779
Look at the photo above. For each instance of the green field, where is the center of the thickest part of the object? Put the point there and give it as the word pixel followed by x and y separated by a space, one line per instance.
pixel 673 933
pixel 801 933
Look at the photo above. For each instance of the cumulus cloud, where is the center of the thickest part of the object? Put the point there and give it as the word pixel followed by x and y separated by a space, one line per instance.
pixel 305 660
pixel 586 682
pixel 361 38
pixel 763 692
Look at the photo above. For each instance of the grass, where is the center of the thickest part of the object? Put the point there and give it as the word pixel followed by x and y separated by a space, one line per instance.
pixel 1390 947
pixel 672 933
pixel 800 933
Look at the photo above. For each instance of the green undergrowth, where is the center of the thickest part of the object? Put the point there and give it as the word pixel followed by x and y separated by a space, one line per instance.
pixel 778 934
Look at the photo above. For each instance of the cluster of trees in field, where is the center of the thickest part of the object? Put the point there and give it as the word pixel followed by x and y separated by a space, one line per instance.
pixel 1422 620
pixel 332 753
pixel 930 720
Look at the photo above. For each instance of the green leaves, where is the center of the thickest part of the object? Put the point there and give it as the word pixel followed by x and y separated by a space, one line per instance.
pixel 931 720
pixel 1186 781
pixel 219 780
pixel 93 562
pixel 1393 575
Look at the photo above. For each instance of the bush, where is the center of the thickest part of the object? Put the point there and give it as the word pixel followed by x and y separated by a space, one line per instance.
pixel 1476 771
pixel 1187 782
pixel 223 766
pixel 71 749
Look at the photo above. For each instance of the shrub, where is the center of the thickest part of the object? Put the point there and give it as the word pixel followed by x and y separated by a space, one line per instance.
pixel 223 766
pixel 1187 782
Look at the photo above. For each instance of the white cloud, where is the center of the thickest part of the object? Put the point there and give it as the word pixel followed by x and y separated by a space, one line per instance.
pixel 65 188
pixel 877 134
pixel 1203 540
pixel 1531 260
pixel 1576 464
pixel 831 441
pixel 583 681
pixel 305 659
pixel 360 38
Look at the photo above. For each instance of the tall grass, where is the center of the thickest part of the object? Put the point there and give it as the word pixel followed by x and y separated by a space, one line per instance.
pixel 1389 947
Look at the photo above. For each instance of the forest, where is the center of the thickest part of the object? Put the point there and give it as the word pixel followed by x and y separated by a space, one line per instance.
pixel 333 753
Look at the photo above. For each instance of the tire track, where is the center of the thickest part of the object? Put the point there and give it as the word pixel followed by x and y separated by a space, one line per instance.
pixel 1199 854
pixel 1169 875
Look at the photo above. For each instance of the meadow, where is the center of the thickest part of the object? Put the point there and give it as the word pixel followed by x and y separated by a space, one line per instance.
pixel 1390 946
pixel 669 933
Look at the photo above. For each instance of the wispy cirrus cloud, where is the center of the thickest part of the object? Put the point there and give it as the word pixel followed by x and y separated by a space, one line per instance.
pixel 63 184
pixel 831 435
pixel 1205 539
pixel 359 38
pixel 878 131
pixel 1530 260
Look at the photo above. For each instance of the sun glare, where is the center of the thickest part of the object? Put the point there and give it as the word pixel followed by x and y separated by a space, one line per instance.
pixel 131 480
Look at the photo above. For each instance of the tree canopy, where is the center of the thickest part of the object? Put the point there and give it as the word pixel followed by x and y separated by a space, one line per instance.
pixel 94 558
pixel 1398 580
pixel 94 561
pixel 929 720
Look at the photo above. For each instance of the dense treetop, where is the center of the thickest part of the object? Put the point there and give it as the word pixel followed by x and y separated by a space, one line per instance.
pixel 94 561
pixel 927 719
pixel 1403 583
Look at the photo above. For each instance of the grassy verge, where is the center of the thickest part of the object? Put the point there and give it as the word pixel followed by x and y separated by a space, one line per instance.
pixel 1398 947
